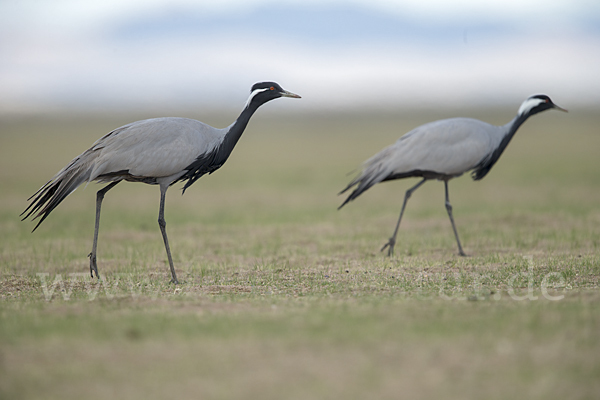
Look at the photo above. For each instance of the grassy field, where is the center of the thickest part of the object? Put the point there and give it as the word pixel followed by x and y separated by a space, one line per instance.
pixel 283 296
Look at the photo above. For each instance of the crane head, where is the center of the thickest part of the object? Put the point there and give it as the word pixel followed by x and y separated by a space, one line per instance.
pixel 538 103
pixel 266 91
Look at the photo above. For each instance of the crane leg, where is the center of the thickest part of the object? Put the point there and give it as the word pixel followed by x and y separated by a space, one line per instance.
pixel 92 256
pixel 163 229
pixel 392 242
pixel 449 209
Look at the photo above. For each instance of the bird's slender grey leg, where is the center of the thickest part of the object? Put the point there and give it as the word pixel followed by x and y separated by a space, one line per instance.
pixel 449 209
pixel 163 229
pixel 99 197
pixel 392 240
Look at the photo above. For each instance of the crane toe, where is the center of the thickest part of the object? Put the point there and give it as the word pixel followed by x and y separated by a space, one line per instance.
pixel 390 246
pixel 93 265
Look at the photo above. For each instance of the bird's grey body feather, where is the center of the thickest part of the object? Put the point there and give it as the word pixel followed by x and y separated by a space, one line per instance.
pixel 157 148
pixel 152 151
pixel 437 150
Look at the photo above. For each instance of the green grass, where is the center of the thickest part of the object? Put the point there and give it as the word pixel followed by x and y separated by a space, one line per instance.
pixel 283 296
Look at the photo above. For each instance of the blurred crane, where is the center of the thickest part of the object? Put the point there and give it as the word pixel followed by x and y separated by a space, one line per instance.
pixel 159 151
pixel 443 150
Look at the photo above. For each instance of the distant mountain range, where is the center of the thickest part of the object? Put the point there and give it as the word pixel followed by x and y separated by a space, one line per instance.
pixel 170 57
pixel 329 24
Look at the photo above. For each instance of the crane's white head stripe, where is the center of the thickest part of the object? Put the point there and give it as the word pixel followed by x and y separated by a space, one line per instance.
pixel 254 93
pixel 529 104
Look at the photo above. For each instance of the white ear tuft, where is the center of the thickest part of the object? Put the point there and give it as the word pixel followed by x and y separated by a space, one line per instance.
pixel 254 93
pixel 528 104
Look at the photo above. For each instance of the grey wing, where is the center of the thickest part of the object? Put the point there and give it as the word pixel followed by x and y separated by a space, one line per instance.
pixel 156 148
pixel 448 147
pixel 147 150
pixel 441 148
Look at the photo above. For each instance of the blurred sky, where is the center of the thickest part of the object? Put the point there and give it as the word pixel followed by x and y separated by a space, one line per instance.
pixel 165 55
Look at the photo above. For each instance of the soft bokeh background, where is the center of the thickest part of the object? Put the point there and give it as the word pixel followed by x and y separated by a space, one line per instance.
pixel 170 55
pixel 282 295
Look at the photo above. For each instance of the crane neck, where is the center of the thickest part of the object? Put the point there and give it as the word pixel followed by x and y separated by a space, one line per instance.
pixel 235 130
pixel 213 160
pixel 509 131
pixel 515 124
pixel 511 128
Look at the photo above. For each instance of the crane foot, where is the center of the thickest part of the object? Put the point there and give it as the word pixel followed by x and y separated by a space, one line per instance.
pixel 93 266
pixel 390 246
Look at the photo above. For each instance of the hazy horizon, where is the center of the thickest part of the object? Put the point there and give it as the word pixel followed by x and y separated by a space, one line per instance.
pixel 133 55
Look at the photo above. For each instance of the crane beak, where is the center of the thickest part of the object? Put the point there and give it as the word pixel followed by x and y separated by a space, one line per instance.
pixel 560 108
pixel 285 93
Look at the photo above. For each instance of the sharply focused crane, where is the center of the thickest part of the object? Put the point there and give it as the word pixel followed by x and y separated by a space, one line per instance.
pixel 158 151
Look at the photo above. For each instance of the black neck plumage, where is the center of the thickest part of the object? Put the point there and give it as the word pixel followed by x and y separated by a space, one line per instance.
pixel 482 169
pixel 209 162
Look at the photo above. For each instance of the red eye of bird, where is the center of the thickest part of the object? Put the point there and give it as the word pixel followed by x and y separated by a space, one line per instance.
pixel 272 88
